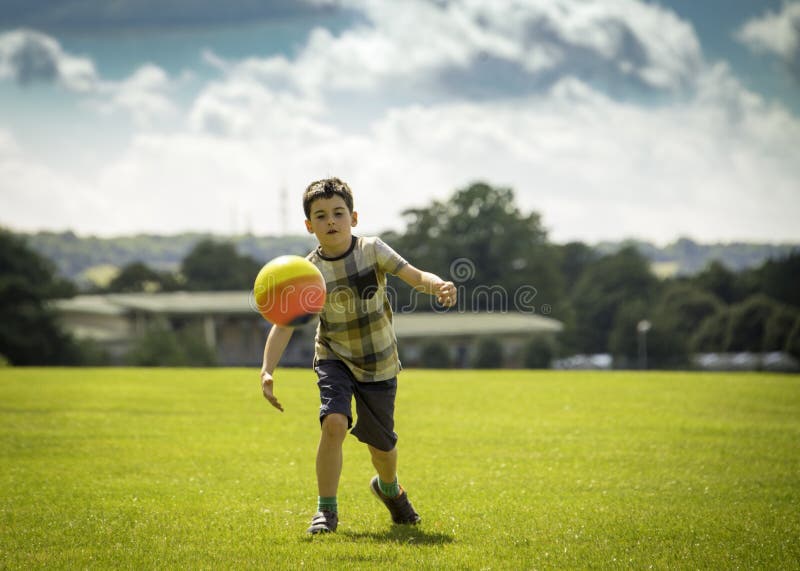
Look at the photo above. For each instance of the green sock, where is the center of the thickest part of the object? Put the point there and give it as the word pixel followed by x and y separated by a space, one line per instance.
pixel 391 490
pixel 327 504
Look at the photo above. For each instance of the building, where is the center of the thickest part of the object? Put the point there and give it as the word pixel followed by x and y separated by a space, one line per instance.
pixel 229 323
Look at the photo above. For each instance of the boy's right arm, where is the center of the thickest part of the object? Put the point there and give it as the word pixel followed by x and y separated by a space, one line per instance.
pixel 277 340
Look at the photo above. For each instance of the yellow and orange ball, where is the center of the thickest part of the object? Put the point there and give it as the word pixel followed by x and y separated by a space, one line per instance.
pixel 289 290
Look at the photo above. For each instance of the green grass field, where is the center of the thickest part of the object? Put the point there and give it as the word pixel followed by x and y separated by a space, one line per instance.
pixel 134 468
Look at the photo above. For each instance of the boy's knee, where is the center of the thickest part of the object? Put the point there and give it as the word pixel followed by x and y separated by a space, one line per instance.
pixel 335 425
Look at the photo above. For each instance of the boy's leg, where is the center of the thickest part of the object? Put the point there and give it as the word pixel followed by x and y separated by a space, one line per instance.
pixel 329 453
pixel 385 463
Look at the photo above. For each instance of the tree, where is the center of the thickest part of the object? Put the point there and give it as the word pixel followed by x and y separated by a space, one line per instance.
pixel 793 342
pixel 217 266
pixel 779 327
pixel 573 259
pixel 711 336
pixel 138 277
pixel 664 345
pixel 779 279
pixel 482 241
pixel 720 281
pixel 29 330
pixel 748 323
pixel 688 306
pixel 607 284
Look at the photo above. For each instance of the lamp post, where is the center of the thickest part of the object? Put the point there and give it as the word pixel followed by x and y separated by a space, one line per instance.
pixel 641 329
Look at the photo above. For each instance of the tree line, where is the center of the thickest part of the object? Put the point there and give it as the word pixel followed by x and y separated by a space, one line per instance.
pixel 601 296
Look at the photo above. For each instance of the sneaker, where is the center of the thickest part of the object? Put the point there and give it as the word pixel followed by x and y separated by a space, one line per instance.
pixel 323 522
pixel 401 509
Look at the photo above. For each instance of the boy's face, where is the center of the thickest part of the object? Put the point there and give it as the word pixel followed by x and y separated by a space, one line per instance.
pixel 331 223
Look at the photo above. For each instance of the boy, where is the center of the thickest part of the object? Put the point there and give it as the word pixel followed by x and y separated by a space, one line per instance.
pixel 355 349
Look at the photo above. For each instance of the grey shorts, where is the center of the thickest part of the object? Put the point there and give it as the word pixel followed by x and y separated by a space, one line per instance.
pixel 374 403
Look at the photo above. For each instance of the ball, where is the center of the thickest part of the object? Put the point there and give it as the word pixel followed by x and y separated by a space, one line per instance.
pixel 289 290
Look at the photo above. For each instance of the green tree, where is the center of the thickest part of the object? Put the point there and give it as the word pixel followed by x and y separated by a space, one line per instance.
pixel 748 323
pixel 779 327
pixel 138 277
pixel 720 281
pixel 688 306
pixel 780 279
pixel 711 336
pixel 29 330
pixel 664 345
pixel 607 284
pixel 482 241
pixel 217 266
pixel 793 341
pixel 573 259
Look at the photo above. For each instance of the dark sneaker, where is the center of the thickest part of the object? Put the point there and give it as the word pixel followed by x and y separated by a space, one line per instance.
pixel 401 509
pixel 323 522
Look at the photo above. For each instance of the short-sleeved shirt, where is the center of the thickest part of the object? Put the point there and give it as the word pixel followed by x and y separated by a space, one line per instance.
pixel 355 325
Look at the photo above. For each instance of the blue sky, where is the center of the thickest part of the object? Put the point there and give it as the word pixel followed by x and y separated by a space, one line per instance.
pixel 614 119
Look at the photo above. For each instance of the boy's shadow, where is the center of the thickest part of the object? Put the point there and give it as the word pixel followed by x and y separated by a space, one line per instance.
pixel 402 534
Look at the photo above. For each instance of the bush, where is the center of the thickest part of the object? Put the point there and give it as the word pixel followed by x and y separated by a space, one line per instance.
pixel 489 354
pixel 540 352
pixel 162 347
pixel 435 355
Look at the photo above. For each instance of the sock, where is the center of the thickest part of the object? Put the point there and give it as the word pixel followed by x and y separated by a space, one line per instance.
pixel 327 504
pixel 391 490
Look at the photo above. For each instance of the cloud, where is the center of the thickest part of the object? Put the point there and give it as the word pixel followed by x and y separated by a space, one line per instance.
pixel 776 33
pixel 28 57
pixel 479 49
pixel 143 95
pixel 386 105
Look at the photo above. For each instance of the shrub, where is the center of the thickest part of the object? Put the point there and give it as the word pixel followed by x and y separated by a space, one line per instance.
pixel 539 352
pixel 488 354
pixel 435 355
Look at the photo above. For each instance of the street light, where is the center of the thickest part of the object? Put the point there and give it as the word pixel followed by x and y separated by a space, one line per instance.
pixel 641 329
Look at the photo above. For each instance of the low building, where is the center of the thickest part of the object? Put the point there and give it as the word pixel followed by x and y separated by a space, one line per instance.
pixel 230 324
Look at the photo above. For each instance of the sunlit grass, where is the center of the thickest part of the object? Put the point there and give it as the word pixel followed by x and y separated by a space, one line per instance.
pixel 137 468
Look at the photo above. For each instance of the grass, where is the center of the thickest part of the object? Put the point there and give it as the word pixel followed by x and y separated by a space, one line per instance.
pixel 181 468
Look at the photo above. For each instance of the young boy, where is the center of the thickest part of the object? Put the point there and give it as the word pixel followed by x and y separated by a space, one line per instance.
pixel 355 349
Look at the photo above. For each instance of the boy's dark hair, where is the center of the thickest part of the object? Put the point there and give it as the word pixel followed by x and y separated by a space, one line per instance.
pixel 327 188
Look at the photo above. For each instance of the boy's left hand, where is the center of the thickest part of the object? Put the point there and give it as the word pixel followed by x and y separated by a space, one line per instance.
pixel 446 294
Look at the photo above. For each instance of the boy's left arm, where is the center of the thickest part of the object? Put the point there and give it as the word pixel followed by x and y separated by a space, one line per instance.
pixel 427 282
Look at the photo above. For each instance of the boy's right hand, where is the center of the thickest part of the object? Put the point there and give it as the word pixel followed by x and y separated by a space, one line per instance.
pixel 266 388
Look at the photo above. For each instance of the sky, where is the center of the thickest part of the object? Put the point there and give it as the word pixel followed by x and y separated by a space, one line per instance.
pixel 613 119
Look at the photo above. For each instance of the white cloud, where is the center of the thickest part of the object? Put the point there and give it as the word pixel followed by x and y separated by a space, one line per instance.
pixel 143 95
pixel 718 162
pixel 451 44
pixel 776 33
pixel 29 56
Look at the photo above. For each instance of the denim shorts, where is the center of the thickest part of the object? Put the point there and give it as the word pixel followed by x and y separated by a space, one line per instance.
pixel 374 403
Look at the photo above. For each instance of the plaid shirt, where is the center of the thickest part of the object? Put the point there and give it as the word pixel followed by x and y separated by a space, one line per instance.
pixel 355 325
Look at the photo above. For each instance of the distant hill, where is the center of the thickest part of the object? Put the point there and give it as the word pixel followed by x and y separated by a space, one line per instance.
pixel 83 259
pixel 686 257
